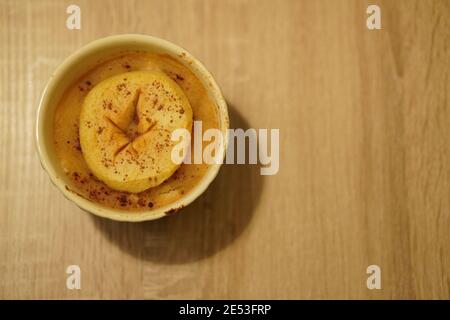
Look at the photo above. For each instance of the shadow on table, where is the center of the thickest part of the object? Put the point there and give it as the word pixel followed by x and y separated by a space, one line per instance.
pixel 203 228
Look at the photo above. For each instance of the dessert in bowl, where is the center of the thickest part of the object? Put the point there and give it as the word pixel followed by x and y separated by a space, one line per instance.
pixel 105 121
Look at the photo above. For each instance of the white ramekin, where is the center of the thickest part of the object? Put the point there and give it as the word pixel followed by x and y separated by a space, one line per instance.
pixel 78 64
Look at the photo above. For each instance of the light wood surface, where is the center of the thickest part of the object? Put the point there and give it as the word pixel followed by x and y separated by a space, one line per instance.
pixel 364 166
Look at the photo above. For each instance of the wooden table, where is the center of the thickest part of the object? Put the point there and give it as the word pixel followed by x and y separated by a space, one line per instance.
pixel 364 174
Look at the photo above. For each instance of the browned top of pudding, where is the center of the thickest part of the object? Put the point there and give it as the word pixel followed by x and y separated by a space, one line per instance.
pixel 67 140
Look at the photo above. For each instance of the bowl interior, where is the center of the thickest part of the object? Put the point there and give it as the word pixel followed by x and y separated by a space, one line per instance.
pixel 78 64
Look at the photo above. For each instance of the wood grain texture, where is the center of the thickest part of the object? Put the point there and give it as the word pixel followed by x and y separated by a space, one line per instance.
pixel 365 155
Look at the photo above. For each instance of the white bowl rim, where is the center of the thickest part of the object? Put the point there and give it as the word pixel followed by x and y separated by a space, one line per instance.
pixel 96 208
